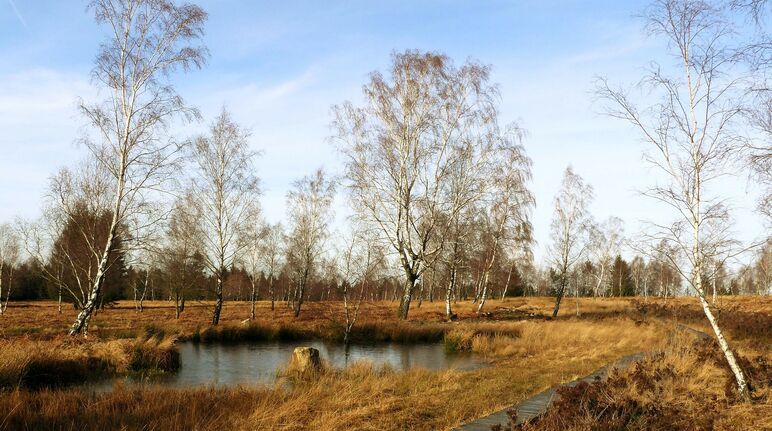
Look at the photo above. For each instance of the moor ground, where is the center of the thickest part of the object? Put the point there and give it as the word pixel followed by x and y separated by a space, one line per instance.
pixel 526 353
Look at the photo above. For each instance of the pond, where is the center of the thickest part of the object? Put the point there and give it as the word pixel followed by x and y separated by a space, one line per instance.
pixel 258 363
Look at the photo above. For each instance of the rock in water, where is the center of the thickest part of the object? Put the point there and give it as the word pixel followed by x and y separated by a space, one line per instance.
pixel 305 360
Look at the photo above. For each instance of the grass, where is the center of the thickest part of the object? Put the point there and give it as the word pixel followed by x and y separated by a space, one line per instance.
pixel 360 396
pixel 154 351
pixel 34 364
pixel 526 350
pixel 687 387
pixel 40 320
pixel 478 337
pixel 368 332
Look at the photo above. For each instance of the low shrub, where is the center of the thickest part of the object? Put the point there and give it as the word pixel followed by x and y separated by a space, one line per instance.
pixel 742 325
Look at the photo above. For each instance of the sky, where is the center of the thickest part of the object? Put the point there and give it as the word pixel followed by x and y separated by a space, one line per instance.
pixel 279 67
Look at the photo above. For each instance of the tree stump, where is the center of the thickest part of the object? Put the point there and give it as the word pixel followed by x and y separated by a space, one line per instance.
pixel 305 360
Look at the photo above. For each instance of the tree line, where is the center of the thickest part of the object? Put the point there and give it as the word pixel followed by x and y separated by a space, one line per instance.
pixel 179 273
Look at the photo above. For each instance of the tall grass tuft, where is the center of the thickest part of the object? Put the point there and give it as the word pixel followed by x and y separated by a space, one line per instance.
pixel 36 364
pixel 366 332
pixel 481 337
pixel 155 351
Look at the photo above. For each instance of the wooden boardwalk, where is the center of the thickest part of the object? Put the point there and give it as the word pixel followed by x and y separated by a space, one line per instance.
pixel 538 404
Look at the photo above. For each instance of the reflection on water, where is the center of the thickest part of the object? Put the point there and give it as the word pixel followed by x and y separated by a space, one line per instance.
pixel 244 364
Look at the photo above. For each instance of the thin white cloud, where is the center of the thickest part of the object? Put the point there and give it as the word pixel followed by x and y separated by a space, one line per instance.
pixel 18 14
pixel 256 95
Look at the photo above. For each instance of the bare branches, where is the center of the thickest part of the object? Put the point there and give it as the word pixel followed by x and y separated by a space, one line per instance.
pixel 359 263
pixel 149 40
pixel 569 228
pixel 10 254
pixel 226 191
pixel 692 131
pixel 424 122
pixel 756 52
pixel 309 210
pixel 605 242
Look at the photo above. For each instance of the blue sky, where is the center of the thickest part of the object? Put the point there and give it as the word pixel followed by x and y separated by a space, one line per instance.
pixel 280 66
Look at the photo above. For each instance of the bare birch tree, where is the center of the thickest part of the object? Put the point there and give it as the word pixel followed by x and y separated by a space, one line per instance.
pixel 359 263
pixel 10 252
pixel 605 243
pixel 182 255
pixel 254 236
pixel 757 53
pixel 638 274
pixel 401 145
pixel 148 40
pixel 692 136
pixel 454 254
pixel 309 211
pixel 226 190
pixel 272 255
pixel 569 229
pixel 67 240
pixel 507 202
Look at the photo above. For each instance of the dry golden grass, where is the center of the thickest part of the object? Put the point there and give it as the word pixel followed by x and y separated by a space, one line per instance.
pixel 360 397
pixel 65 360
pixel 35 363
pixel 527 353
pixel 41 319
pixel 687 387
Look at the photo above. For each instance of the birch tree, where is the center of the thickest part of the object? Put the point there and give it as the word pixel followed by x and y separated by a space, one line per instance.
pixel 569 229
pixel 691 135
pixel 454 254
pixel 309 211
pixel 146 235
pixel 147 41
pixel 605 243
pixel 10 252
pixel 359 263
pixel 272 255
pixel 254 236
pixel 182 257
pixel 67 240
pixel 508 202
pixel 763 269
pixel 226 191
pixel 640 281
pixel 401 145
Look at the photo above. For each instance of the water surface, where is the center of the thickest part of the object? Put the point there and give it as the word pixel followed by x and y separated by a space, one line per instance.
pixel 258 363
